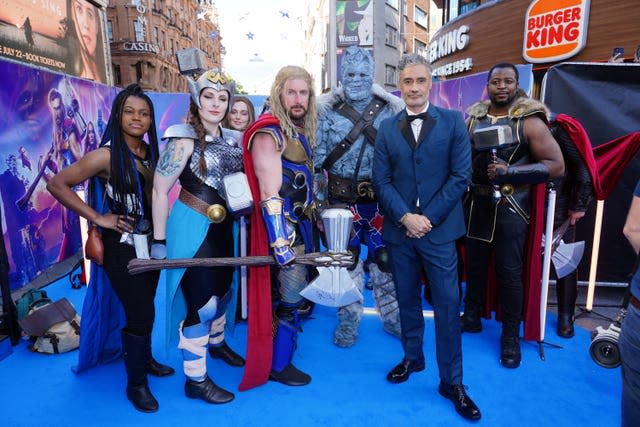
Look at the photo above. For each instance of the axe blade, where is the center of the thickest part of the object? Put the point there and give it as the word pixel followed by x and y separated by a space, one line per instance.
pixel 566 257
pixel 333 287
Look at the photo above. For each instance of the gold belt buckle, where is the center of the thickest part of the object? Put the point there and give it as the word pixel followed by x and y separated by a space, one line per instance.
pixel 506 190
pixel 216 213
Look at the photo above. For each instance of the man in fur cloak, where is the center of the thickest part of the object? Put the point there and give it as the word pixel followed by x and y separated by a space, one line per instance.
pixel 513 151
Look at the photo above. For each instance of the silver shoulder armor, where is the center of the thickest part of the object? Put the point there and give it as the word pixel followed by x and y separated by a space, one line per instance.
pixel 232 137
pixel 180 131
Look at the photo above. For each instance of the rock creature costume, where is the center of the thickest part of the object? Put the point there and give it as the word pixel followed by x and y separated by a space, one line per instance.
pixel 271 342
pixel 345 141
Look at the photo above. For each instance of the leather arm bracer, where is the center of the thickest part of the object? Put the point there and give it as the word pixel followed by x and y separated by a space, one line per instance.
pixel 533 173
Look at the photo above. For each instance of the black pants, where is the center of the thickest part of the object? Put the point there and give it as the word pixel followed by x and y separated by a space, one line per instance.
pixel 136 292
pixel 508 244
pixel 199 284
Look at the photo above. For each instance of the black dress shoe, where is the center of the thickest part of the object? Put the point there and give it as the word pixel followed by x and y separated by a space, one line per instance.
pixel 157 369
pixel 225 353
pixel 291 376
pixel 463 403
pixel 208 391
pixel 400 373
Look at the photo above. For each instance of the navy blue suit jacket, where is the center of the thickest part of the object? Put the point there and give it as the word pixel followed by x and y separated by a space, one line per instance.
pixel 436 170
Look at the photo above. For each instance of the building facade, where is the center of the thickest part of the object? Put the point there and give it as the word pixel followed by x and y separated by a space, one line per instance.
pixel 387 28
pixel 538 32
pixel 144 36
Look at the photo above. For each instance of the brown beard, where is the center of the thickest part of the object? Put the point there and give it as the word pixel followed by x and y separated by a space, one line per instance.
pixel 297 119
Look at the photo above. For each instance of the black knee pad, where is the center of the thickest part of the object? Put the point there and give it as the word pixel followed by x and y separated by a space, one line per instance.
pixel 382 260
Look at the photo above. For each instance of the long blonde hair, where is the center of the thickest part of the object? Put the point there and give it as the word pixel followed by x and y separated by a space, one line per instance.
pixel 277 109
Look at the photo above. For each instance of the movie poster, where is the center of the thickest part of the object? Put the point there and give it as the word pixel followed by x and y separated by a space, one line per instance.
pixel 460 93
pixel 61 35
pixel 47 122
pixel 354 23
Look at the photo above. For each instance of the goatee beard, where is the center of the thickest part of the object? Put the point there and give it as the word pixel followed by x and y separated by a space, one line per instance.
pixel 504 103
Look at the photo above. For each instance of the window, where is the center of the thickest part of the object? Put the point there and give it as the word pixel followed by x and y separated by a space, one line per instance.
pixel 138 29
pixel 390 77
pixel 420 47
pixel 155 35
pixel 393 3
pixel 390 36
pixel 420 17
pixel 468 5
pixel 110 30
pixel 138 66
pixel 117 75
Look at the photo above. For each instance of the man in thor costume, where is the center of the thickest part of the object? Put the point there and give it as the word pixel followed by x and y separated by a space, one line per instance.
pixel 277 161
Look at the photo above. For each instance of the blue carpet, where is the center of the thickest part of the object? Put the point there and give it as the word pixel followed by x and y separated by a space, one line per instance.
pixel 348 388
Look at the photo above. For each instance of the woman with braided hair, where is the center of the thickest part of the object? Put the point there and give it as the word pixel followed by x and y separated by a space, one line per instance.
pixel 123 168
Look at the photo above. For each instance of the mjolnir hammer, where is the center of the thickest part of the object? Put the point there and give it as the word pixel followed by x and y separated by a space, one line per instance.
pixel 333 286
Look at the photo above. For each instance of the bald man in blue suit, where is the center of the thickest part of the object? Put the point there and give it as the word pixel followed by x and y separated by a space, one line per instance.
pixel 421 169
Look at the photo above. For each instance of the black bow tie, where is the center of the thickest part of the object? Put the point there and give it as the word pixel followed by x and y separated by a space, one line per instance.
pixel 420 116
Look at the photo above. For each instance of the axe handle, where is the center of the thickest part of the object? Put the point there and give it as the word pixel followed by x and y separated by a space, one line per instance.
pixel 317 259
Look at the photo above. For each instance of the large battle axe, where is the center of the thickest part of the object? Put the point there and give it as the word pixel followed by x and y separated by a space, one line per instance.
pixel 333 286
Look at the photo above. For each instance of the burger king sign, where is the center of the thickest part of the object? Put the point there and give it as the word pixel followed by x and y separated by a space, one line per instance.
pixel 555 30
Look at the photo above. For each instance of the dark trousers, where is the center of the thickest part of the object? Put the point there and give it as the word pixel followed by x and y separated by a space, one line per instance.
pixel 440 265
pixel 199 284
pixel 508 245
pixel 135 291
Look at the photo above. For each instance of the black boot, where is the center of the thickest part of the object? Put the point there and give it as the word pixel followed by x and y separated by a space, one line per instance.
pixel 510 344
pixel 208 391
pixel 567 292
pixel 290 376
pixel 225 353
pixel 137 352
pixel 284 345
pixel 157 369
pixel 470 320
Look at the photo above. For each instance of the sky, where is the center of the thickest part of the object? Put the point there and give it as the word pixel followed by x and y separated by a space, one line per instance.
pixel 260 37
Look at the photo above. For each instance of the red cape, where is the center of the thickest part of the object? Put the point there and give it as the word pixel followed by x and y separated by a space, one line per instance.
pixel 606 164
pixel 260 335
pixel 607 161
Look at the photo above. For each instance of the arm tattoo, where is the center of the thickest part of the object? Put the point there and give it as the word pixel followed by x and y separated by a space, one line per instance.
pixel 170 159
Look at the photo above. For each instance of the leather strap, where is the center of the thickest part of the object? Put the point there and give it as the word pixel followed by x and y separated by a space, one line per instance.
pixel 194 202
pixel 634 302
pixel 362 123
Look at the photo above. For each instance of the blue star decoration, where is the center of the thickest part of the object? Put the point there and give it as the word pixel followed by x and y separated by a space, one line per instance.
pixel 250 35
pixel 284 13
